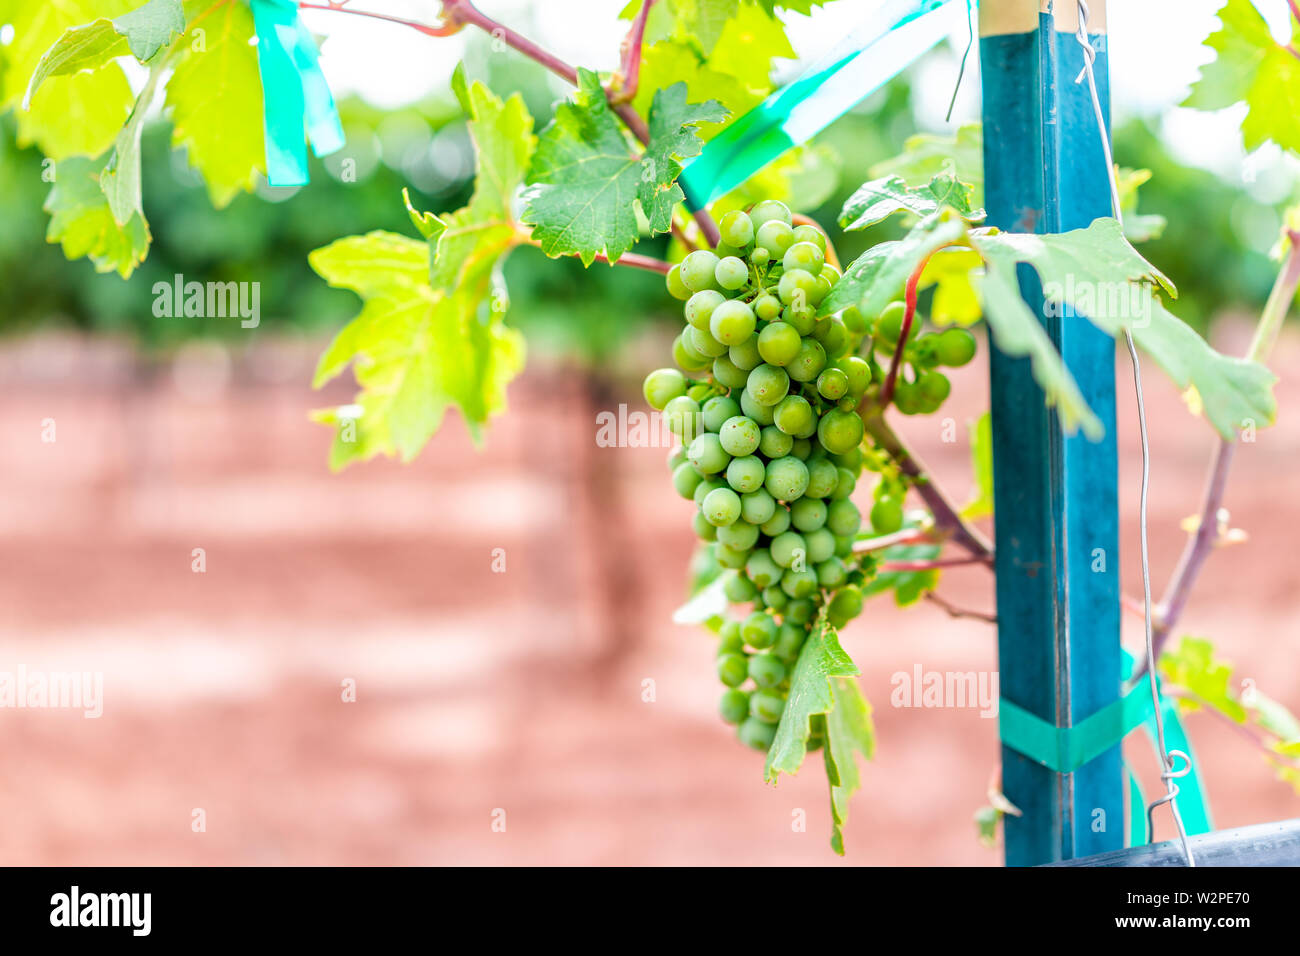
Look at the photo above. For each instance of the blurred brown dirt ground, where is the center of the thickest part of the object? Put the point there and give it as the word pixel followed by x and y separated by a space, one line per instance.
pixel 479 691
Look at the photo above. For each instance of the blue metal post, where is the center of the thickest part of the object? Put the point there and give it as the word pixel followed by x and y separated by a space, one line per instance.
pixel 1056 503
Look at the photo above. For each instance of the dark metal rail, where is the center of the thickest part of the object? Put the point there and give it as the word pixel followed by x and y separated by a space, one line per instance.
pixel 1262 844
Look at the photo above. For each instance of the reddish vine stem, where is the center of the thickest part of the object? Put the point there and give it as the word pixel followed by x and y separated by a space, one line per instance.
pixel 887 390
pixel 631 260
pixel 954 611
pixel 631 72
pixel 1295 8
pixel 932 565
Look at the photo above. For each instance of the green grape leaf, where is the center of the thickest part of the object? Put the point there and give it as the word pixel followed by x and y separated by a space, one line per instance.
pixel 431 332
pixel 925 155
pixel 702 20
pixel 908 586
pixel 849 732
pixel 668 62
pixel 120 179
pixel 749 42
pixel 81 221
pixel 86 47
pixel 954 300
pixel 585 181
pixel 1192 665
pixel 151 27
pixel 1253 67
pixel 981 459
pixel 881 198
pixel 215 100
pixel 811 692
pixel 1095 272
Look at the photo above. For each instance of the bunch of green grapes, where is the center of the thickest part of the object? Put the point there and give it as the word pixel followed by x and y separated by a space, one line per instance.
pixel 765 401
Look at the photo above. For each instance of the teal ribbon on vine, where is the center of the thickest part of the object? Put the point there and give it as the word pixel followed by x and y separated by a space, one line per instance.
pixel 295 94
pixel 895 36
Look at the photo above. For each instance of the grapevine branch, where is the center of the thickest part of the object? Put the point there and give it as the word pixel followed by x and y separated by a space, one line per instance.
pixel 909 316
pixel 630 259
pixel 954 611
pixel 630 76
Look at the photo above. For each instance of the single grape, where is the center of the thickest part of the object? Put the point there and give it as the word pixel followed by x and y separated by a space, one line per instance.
pixel 766 670
pixel 717 410
pixel 724 249
pixel 831 273
pixel 762 570
pixel 686 479
pixel 704 487
pixel 721 507
pixel 808 364
pixel 682 414
pixel 954 347
pixel 676 457
pixel 734 706
pixel 858 373
pixel 789 640
pixel 697 270
pixel 833 335
pixel 662 386
pixel 731 273
pixel 738 588
pixel 728 632
pixel 799 584
pixel 787 478
pixel 757 506
pixel 755 733
pixel 746 474
pixel 832 383
pixel 854 320
pixel 736 229
pixel 934 387
pixel 730 557
pixel 707 455
pixel 742 536
pixel 686 357
pixel 843 547
pixel 807 233
pixel 801 449
pixel 778 523
pixel 700 306
pixel 845 482
pixel 886 516
pixel 703 342
pixel 745 355
pixel 801 319
pixel 793 415
pixel 890 324
pixel 759 630
pixel 775 598
pixel 908 398
pixel 725 372
pixel 769 210
pixel 795 287
pixel 732 322
pixel 851 459
pixel 839 431
pixel 676 287
pixel 733 669
pixel 767 307
pixel 804 255
pixel 843 518
pixel 759 257
pixel 778 343
pixel 701 392
pixel 800 611
pixel 774 238
pixel 703 530
pixel 831 573
pixel 775 443
pixel 739 436
pixel 752 409
pixel 766 705
pixel 819 543
pixel 844 607
pixel 808 514
pixel 789 549
pixel 922 354
pixel 767 385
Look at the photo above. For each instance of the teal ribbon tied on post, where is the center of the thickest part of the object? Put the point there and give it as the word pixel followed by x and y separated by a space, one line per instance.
pixel 1066 749
pixel 295 95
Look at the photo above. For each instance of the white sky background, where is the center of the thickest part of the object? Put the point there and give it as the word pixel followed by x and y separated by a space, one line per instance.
pixel 1155 53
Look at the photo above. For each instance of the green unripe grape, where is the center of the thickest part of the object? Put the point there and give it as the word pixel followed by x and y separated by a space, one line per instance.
pixel 831 272
pixel 682 415
pixel 793 415
pixel 755 733
pixel 787 478
pixel 808 514
pixel 724 249
pixel 789 549
pixel 762 570
pixel 676 287
pixel 717 410
pixel 934 387
pixel 774 443
pixel 739 436
pixel 730 557
pixel 721 507
pixel 804 255
pixel 807 233
pixel 731 273
pixel 727 374
pixel 740 535
pixel 833 335
pixel 686 479
pixel 744 355
pixel 703 341
pixel 703 530
pixel 821 289
pixel 746 474
pixel 843 518
pixel 845 482
pixel 799 584
pixel 886 516
pixel 801 319
pixel 737 588
pixel 890 324
pixel 767 307
pixel 767 385
pixel 816 452
pixel 686 357
pixel 676 457
pixel 734 706
pixel 728 632
pixel 770 210
pixel 808 364
pixel 922 354
pixel 832 383
pixel 757 507
pixel 704 487
pixel 838 430
pixel 795 287
pixel 759 630
pixel 779 343
pixel 759 256
pixel 767 706
pixel 662 386
pixel 701 392
pixel 766 670
pixel 732 322
pixel 774 238
pixel 801 449
pixel 908 398
pixel 753 409
pixel 843 547
pixel 707 455
pixel 736 229
pixel 831 573
pixel 844 607
pixel 700 306
pixel 789 640
pixel 954 347
pixel 800 611
pixel 819 543
pixel 858 373
pixel 697 270
pixel 777 524
pixel 775 598
pixel 733 669
pixel 851 459
pixel 854 320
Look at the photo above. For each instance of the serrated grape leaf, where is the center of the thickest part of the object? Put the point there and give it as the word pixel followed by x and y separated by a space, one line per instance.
pixel 981 460
pixel 82 223
pixel 1095 272
pixel 927 154
pixel 668 62
pixel 908 586
pixel 1251 66
pixel 849 732
pixel 821 660
pixel 702 20
pixel 879 199
pixel 1192 665
pixel 585 181
pixel 151 27
pixel 85 47
pixel 432 332
pixel 120 179
pixel 215 101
